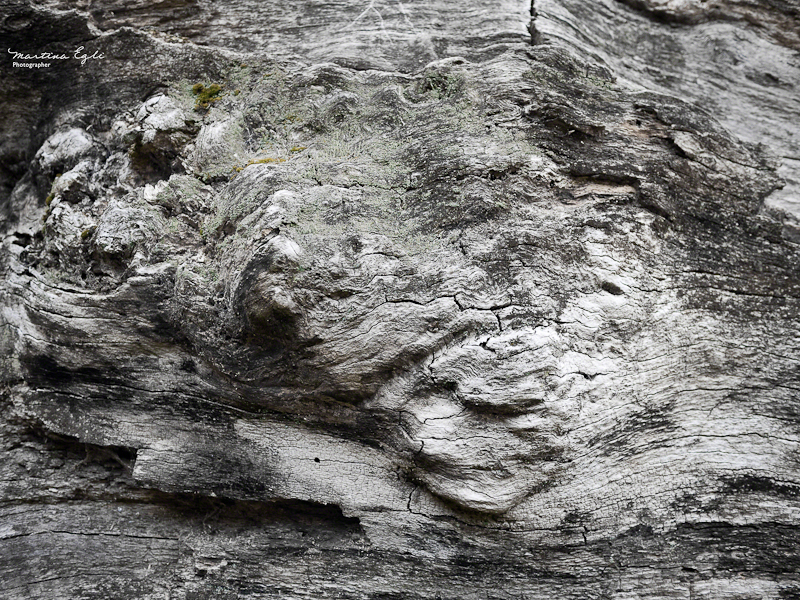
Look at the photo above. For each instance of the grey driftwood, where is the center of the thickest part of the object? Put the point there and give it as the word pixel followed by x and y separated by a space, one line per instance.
pixel 386 300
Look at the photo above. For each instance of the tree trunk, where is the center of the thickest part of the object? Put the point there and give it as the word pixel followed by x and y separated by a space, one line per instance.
pixel 400 299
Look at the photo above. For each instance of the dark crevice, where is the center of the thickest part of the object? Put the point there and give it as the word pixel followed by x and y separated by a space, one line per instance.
pixel 111 457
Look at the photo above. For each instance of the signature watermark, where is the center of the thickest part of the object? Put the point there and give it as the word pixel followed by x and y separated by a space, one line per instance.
pixel 21 60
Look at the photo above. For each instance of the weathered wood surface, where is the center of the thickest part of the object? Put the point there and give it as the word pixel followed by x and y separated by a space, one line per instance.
pixel 421 305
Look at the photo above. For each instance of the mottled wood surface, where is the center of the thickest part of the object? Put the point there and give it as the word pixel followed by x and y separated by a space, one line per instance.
pixel 419 305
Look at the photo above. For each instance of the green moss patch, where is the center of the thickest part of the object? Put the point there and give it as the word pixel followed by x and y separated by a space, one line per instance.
pixel 206 96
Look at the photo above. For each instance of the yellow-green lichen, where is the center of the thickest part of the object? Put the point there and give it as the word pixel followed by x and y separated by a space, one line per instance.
pixel 260 161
